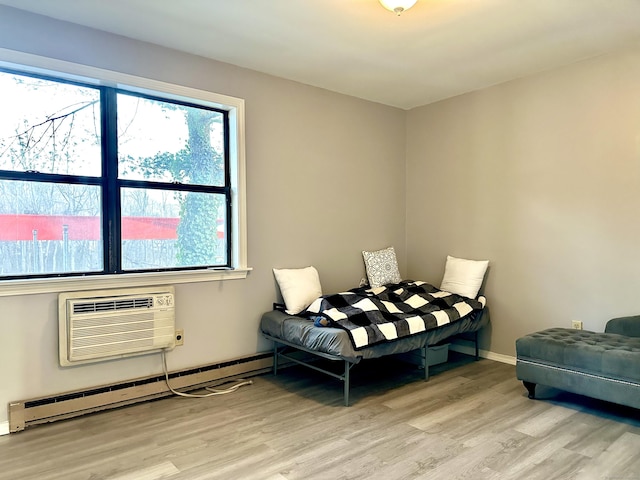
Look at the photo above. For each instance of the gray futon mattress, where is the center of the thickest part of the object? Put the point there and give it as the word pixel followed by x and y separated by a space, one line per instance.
pixel 335 341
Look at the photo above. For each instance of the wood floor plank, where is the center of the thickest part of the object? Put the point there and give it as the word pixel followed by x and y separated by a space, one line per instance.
pixel 471 420
pixel 559 465
pixel 621 460
pixel 451 410
pixel 595 437
pixel 155 472
pixel 544 422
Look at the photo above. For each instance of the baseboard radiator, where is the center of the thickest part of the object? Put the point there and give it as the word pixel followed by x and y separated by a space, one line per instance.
pixel 36 411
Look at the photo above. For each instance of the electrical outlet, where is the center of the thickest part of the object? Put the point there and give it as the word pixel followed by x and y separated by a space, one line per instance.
pixel 576 324
pixel 179 337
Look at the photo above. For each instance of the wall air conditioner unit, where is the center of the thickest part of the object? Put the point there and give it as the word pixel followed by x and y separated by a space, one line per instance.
pixel 106 324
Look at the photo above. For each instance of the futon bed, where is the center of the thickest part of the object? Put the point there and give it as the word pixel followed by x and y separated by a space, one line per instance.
pixel 367 323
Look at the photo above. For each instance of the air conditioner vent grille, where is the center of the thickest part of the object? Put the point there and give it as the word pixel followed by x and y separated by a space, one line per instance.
pixel 108 324
pixel 112 305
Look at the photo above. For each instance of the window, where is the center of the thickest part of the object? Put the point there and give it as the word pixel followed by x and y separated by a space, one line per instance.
pixel 99 179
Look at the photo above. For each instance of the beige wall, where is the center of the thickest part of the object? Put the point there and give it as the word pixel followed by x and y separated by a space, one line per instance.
pixel 325 176
pixel 542 177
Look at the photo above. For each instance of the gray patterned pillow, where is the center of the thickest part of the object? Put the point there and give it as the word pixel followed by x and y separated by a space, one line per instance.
pixel 382 267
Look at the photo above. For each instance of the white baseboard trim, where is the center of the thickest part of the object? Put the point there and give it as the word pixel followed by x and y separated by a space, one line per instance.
pixel 498 357
pixel 4 428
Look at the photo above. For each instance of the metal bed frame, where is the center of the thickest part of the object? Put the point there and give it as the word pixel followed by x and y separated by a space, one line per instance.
pixel 281 349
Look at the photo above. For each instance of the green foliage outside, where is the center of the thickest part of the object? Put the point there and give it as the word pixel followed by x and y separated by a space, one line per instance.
pixel 199 163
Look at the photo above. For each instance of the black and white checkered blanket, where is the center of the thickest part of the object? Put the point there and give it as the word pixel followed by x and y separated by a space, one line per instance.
pixel 377 315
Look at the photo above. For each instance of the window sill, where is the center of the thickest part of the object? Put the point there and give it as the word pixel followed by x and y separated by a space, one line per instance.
pixel 67 284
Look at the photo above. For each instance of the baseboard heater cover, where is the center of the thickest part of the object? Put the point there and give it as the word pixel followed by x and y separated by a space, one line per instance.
pixel 36 411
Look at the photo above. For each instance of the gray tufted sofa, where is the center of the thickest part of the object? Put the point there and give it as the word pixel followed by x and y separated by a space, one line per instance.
pixel 600 365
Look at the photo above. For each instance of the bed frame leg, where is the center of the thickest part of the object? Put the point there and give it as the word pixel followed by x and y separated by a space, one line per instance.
pixel 347 369
pixel 425 361
pixel 475 340
pixel 275 358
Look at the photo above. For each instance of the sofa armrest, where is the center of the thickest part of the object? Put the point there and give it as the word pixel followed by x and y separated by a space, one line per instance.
pixel 629 326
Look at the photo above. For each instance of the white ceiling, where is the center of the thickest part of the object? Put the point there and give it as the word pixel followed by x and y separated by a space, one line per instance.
pixel 438 49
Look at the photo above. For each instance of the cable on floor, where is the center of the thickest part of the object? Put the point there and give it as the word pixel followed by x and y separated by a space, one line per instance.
pixel 212 391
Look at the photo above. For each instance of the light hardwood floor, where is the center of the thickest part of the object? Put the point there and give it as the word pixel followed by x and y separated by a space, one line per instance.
pixel 471 420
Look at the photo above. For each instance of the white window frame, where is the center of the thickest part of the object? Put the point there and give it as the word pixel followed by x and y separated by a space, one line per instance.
pixel 235 108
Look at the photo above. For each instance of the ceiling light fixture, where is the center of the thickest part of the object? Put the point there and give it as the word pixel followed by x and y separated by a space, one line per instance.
pixel 398 6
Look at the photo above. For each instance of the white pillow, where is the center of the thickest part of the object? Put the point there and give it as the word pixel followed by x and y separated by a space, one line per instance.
pixel 382 267
pixel 463 277
pixel 299 287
